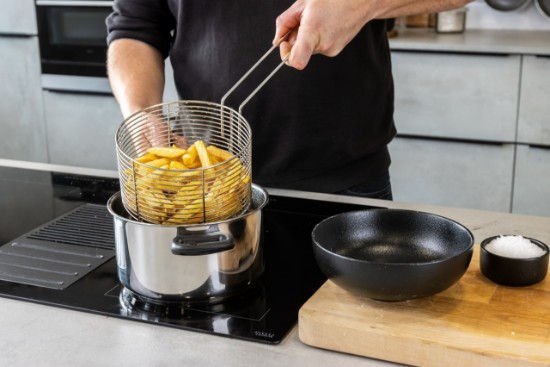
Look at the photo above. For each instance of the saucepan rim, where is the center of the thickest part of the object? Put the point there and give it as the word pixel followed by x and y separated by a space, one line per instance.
pixel 256 189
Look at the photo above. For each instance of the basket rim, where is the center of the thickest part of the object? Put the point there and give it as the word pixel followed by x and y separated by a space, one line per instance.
pixel 239 152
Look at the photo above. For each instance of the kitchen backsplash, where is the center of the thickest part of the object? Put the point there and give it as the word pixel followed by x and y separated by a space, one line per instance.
pixel 482 16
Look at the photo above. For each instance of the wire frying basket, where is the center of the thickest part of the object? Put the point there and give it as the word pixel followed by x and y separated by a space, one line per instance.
pixel 187 162
pixel 179 186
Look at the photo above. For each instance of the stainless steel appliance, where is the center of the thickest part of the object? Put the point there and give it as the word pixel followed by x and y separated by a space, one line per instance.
pixel 59 250
pixel 72 38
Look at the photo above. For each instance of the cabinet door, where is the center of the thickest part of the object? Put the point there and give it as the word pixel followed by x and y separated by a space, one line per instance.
pixel 81 129
pixel 18 17
pixel 534 107
pixel 456 95
pixel 532 181
pixel 457 174
pixel 23 135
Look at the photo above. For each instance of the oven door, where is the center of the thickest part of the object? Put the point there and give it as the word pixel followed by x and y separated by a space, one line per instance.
pixel 72 37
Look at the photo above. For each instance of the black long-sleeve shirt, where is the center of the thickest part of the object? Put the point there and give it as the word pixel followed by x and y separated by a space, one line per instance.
pixel 322 129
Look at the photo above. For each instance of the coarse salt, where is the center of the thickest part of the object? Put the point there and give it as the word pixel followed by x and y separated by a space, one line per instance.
pixel 514 246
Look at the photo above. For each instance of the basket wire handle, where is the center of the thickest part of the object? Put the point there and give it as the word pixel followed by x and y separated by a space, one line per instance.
pixel 264 56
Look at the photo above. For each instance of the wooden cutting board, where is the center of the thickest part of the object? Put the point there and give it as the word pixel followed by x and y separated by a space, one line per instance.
pixel 473 323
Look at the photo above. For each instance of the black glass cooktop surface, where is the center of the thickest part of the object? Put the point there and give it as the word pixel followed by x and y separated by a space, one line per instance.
pixel 31 200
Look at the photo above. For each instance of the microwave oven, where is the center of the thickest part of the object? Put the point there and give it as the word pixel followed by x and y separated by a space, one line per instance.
pixel 73 47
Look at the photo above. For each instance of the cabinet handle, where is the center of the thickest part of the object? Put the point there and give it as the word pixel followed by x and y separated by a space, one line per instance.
pixel 73 92
pixel 451 52
pixel 536 146
pixel 454 140
pixel 74 3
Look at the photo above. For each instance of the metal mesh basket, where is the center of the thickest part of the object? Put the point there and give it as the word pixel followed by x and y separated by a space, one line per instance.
pixel 157 191
pixel 162 192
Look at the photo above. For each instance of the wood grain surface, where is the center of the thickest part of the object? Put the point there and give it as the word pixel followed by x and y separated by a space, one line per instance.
pixel 474 323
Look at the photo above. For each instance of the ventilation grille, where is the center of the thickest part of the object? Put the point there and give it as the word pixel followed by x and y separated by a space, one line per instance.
pixel 62 251
pixel 87 225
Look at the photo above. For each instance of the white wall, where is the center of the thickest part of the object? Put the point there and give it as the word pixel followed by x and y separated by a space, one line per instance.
pixel 482 16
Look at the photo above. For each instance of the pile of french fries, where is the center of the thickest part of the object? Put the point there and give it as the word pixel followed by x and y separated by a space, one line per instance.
pixel 174 186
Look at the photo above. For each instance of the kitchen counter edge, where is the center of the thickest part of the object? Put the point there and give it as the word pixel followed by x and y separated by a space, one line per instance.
pixel 483 41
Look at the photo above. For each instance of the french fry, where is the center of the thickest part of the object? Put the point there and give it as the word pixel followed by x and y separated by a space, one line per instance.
pixel 191 158
pixel 186 195
pixel 177 165
pixel 166 152
pixel 193 209
pixel 186 186
pixel 164 180
pixel 215 160
pixel 146 158
pixel 220 154
pixel 158 162
pixel 202 153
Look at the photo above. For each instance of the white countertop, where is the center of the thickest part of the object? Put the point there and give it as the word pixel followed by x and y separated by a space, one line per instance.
pixel 474 41
pixel 39 335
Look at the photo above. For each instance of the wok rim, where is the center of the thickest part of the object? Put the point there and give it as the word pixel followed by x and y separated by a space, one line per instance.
pixel 543 8
pixel 498 6
pixel 467 249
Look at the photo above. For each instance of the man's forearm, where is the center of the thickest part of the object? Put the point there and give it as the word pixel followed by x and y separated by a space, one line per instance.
pixel 136 75
pixel 397 8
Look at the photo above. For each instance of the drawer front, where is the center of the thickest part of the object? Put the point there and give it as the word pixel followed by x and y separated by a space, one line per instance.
pixel 81 129
pixel 456 95
pixel 534 107
pixel 532 181
pixel 457 174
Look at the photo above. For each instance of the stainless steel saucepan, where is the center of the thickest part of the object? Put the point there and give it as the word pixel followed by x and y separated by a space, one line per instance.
pixel 201 263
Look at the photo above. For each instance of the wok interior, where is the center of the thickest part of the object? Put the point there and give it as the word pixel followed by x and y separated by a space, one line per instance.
pixel 393 236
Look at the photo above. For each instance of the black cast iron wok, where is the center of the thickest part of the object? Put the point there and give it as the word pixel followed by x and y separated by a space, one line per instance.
pixel 392 254
pixel 507 5
pixel 543 6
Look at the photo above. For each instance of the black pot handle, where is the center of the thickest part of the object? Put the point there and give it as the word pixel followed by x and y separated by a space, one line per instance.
pixel 202 242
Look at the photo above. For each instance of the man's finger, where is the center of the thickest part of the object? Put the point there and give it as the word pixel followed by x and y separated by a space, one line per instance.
pixel 301 52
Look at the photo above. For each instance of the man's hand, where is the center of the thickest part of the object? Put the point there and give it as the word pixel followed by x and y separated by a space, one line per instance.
pixel 152 131
pixel 326 26
pixel 319 27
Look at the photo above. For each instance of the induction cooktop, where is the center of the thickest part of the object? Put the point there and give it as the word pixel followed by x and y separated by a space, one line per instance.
pixel 57 249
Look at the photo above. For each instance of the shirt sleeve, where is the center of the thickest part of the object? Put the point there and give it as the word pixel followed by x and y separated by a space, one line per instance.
pixel 149 21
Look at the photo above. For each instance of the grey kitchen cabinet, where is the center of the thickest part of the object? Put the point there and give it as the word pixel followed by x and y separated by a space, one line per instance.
pixel 451 95
pixel 18 17
pixel 534 106
pixel 452 173
pixel 532 181
pixel 81 129
pixel 21 110
pixel 532 170
pixel 81 125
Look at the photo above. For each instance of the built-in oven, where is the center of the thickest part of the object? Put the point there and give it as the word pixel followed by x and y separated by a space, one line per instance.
pixel 73 48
